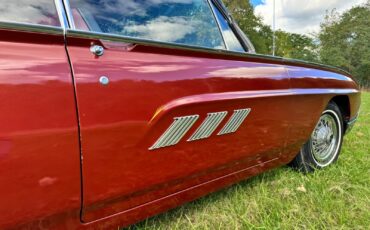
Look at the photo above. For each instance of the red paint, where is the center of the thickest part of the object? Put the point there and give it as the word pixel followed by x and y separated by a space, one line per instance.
pixel 122 181
pixel 39 151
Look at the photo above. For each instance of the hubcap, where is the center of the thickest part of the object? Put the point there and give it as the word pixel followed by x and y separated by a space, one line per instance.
pixel 325 139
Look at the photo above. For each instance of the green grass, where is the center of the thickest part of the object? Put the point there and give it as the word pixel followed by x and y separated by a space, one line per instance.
pixel 337 197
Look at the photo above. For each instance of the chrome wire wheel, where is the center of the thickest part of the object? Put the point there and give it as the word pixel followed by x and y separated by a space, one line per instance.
pixel 323 145
pixel 326 139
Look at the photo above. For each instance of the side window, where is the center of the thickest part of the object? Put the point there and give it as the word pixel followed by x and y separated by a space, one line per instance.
pixel 41 12
pixel 231 40
pixel 188 22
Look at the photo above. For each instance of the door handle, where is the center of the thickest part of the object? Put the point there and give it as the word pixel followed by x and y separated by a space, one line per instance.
pixel 97 50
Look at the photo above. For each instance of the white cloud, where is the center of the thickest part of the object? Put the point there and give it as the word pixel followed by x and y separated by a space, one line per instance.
pixel 164 28
pixel 30 11
pixel 253 71
pixel 299 16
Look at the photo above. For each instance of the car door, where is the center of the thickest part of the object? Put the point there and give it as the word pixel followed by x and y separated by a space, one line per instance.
pixel 163 106
pixel 39 149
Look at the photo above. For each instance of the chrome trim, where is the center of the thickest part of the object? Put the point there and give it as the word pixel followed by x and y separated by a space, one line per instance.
pixel 326 139
pixel 27 27
pixel 85 34
pixel 119 38
pixel 97 50
pixel 104 80
pixel 61 13
pixel 177 130
pixel 212 8
pixel 352 121
pixel 142 41
pixel 235 121
pixel 69 14
pixel 249 44
pixel 244 38
pixel 240 35
pixel 350 124
pixel 208 126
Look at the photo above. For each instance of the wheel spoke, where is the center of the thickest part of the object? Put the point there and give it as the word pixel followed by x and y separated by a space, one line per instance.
pixel 324 139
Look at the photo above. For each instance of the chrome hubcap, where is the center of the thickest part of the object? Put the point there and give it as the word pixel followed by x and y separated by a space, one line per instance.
pixel 325 139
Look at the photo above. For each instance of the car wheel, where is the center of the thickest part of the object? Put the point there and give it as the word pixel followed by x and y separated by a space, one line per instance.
pixel 323 147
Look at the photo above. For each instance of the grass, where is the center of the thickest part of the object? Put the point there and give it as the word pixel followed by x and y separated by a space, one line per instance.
pixel 337 197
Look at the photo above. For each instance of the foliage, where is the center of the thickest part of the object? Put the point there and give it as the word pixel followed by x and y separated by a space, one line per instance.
pixel 252 25
pixel 297 46
pixel 345 41
pixel 336 197
pixel 288 45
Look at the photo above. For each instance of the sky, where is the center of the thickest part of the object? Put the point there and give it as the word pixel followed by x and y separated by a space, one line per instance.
pixel 300 16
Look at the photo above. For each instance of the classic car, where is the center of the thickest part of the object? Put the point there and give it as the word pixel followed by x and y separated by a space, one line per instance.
pixel 113 111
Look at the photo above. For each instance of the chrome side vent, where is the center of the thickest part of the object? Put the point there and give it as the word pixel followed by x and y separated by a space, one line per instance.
pixel 208 126
pixel 179 127
pixel 235 121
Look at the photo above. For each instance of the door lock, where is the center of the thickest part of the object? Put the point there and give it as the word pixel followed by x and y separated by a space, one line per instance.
pixel 97 50
pixel 104 80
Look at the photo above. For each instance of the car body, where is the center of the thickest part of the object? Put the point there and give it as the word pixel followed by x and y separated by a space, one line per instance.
pixel 100 129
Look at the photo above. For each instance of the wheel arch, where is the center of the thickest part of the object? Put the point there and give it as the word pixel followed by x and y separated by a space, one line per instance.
pixel 345 108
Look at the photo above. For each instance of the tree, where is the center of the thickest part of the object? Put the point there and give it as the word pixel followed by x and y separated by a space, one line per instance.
pixel 297 46
pixel 344 41
pixel 288 45
pixel 252 25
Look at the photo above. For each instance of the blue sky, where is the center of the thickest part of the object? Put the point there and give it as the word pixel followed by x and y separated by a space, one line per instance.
pixel 256 2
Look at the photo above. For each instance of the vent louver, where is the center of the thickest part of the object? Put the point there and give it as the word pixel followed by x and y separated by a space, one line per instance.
pixel 208 126
pixel 235 121
pixel 179 127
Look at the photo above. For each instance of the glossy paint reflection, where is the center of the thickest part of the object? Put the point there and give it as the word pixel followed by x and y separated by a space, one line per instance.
pixel 147 89
pixel 309 78
pixel 123 182
pixel 39 153
pixel 149 86
pixel 42 12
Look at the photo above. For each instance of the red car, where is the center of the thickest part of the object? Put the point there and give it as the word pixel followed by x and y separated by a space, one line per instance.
pixel 113 111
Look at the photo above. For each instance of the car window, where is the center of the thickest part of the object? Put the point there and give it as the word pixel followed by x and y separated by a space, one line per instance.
pixel 188 22
pixel 231 40
pixel 29 11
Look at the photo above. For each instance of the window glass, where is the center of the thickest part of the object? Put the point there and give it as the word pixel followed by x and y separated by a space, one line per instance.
pixel 29 11
pixel 231 40
pixel 178 21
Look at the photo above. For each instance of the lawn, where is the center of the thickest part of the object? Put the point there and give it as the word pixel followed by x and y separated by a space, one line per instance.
pixel 337 197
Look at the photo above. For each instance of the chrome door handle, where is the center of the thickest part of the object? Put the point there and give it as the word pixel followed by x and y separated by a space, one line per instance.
pixel 97 50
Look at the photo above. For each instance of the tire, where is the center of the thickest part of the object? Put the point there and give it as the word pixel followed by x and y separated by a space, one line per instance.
pixel 324 145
